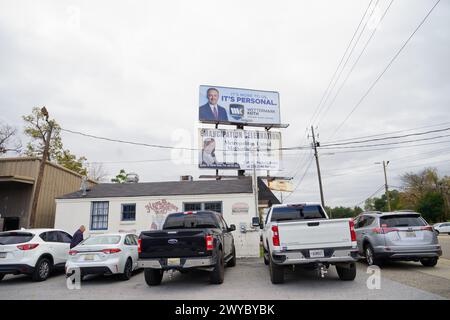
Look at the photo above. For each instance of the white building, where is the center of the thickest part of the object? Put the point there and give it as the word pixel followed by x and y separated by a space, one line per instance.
pixel 134 207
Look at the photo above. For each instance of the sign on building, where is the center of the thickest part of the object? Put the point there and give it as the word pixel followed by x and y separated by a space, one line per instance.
pixel 281 185
pixel 233 105
pixel 239 149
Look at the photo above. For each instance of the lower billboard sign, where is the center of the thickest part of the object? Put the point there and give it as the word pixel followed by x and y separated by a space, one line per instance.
pixel 239 149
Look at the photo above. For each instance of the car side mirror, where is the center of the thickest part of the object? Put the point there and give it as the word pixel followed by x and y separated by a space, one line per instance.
pixel 255 222
pixel 232 227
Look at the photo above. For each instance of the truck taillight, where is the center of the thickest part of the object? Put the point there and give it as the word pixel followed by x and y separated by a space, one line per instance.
pixel 28 246
pixel 352 230
pixel 276 236
pixel 209 242
pixel 139 245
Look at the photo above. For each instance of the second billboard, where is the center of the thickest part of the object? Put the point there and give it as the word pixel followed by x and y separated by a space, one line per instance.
pixel 239 149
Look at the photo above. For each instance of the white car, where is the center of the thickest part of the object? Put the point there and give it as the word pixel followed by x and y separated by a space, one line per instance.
pixel 35 252
pixel 105 254
pixel 443 227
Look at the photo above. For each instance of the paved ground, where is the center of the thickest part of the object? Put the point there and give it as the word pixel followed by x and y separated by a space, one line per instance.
pixel 250 280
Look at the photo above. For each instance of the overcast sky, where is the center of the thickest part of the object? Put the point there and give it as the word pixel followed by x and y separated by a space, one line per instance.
pixel 131 70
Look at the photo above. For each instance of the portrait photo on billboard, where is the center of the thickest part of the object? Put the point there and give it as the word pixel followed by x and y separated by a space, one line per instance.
pixel 235 105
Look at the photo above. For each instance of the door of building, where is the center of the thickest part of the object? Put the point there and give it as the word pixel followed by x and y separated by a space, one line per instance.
pixel 11 223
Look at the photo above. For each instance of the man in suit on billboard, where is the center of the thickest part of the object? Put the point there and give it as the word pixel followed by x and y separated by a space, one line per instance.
pixel 211 110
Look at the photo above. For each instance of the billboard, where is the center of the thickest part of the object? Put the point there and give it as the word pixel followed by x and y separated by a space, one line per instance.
pixel 239 149
pixel 233 105
pixel 281 185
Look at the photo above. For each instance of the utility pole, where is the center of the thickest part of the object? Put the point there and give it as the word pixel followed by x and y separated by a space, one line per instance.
pixel 386 185
pixel 315 145
pixel 40 176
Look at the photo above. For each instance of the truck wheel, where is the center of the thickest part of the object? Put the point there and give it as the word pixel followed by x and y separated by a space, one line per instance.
pixel 276 272
pixel 153 277
pixel 347 273
pixel 127 271
pixel 217 275
pixel 42 270
pixel 232 261
pixel 371 258
pixel 430 262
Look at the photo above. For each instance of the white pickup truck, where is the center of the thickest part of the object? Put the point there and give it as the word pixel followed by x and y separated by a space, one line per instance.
pixel 302 234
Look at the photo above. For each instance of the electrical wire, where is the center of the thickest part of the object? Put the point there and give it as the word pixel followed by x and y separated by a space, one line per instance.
pixel 384 71
pixel 354 64
pixel 327 91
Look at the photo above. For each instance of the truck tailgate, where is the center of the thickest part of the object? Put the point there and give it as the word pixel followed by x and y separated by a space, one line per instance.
pixel 173 243
pixel 310 234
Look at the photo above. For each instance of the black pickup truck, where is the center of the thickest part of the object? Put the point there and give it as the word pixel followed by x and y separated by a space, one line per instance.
pixel 193 239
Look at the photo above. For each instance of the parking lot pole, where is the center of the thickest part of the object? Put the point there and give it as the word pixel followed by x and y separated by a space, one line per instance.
pixel 386 185
pixel 315 145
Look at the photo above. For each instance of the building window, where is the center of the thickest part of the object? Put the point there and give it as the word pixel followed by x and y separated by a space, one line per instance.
pixel 129 212
pixel 198 206
pixel 193 206
pixel 99 215
pixel 213 206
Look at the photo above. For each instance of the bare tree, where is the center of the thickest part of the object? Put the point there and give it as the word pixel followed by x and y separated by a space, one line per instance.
pixel 8 139
pixel 96 172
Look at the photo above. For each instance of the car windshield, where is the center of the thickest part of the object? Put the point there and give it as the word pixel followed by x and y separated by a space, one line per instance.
pixel 15 237
pixel 410 220
pixel 101 240
pixel 297 212
pixel 190 221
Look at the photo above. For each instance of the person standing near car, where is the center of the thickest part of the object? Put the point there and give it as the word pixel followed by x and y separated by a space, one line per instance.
pixel 77 237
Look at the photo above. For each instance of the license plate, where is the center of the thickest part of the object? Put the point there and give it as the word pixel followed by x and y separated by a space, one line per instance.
pixel 89 257
pixel 2 254
pixel 316 253
pixel 173 261
pixel 410 234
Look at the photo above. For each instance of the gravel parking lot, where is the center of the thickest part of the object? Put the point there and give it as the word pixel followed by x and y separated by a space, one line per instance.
pixel 250 280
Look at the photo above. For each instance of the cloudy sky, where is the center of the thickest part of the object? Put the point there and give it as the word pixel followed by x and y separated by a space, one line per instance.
pixel 132 70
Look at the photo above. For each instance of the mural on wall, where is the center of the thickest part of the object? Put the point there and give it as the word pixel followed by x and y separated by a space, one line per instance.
pixel 160 209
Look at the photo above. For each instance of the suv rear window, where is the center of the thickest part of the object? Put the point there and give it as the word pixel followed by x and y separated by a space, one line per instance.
pixel 191 221
pixel 410 220
pixel 298 212
pixel 15 237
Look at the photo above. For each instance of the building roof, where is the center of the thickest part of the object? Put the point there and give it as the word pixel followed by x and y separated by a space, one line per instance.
pixel 173 188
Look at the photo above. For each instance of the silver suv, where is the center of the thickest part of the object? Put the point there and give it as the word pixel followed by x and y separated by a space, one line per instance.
pixel 397 236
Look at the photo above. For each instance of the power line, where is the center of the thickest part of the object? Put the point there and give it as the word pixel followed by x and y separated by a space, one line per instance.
pixel 387 138
pixel 373 194
pixel 303 177
pixel 384 71
pixel 340 63
pixel 391 148
pixel 385 144
pixel 391 132
pixel 128 142
pixel 355 63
